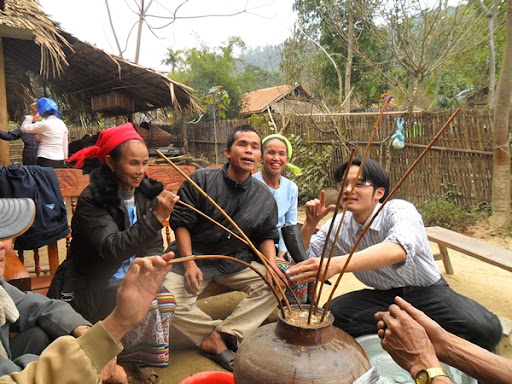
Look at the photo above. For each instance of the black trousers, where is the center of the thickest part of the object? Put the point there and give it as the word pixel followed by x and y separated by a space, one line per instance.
pixel 354 312
pixel 44 162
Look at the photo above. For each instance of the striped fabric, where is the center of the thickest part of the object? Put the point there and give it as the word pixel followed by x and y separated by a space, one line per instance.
pixel 399 222
pixel 147 343
pixel 300 290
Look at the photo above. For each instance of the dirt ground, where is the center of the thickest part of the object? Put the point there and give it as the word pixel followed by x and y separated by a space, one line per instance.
pixel 491 286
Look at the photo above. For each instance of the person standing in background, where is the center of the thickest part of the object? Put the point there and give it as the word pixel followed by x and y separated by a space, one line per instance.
pixel 30 145
pixel 52 131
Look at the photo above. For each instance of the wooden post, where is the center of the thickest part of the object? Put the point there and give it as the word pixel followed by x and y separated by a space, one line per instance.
pixel 185 134
pixel 5 158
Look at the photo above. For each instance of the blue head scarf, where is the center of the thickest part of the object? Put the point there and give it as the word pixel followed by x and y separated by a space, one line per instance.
pixel 45 105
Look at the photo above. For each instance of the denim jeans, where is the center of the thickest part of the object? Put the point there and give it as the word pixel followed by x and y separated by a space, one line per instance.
pixel 354 312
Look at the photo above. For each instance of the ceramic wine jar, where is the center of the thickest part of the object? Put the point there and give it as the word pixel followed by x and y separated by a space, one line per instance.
pixel 282 352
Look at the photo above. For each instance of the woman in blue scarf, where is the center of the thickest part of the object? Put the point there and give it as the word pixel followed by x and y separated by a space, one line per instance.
pixel 52 131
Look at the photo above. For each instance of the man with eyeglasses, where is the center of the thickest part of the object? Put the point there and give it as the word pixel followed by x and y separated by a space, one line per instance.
pixel 394 258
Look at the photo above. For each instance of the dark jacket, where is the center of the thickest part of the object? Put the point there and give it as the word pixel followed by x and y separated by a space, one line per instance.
pixel 42 186
pixel 30 146
pixel 103 237
pixel 54 317
pixel 250 204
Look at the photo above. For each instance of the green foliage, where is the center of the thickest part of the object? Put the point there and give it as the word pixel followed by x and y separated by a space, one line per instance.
pixel 452 57
pixel 203 68
pixel 313 165
pixel 260 121
pixel 267 58
pixel 252 77
pixel 216 102
pixel 445 212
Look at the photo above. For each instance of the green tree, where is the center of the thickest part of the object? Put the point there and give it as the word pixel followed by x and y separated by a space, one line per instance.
pixel 397 44
pixel 217 101
pixel 173 58
pixel 336 28
pixel 204 68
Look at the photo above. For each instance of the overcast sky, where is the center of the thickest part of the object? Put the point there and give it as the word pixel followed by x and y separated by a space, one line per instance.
pixel 264 22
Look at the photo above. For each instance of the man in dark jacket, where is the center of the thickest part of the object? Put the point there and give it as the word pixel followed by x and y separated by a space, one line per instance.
pixel 251 205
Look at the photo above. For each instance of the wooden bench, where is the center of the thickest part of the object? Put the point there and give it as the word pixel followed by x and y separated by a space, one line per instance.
pixel 478 249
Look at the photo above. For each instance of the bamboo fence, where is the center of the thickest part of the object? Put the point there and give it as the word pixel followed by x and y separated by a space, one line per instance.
pixel 459 165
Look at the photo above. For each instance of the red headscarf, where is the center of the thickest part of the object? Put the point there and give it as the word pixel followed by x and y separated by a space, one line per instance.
pixel 109 139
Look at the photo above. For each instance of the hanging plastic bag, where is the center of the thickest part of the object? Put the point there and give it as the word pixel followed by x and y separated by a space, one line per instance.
pixel 398 137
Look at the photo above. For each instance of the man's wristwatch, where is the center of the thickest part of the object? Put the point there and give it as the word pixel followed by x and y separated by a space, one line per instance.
pixel 425 376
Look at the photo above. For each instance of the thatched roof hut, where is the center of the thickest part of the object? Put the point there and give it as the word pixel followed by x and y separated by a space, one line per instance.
pixel 35 47
pixel 283 99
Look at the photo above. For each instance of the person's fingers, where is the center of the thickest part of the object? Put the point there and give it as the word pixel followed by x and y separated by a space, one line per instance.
pixel 194 284
pixel 188 287
pixel 322 197
pixel 135 267
pixel 379 315
pixel 331 207
pixel 168 256
pixel 381 324
pixel 415 313
pixel 297 268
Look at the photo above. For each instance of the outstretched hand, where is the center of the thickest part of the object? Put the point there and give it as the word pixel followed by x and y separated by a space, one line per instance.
pixel 138 289
pixel 307 271
pixel 316 209
pixel 434 331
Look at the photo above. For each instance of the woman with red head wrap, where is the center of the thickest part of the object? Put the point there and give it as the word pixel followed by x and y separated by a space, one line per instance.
pixel 118 217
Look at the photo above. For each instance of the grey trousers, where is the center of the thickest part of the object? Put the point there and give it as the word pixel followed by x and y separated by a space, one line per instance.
pixel 250 313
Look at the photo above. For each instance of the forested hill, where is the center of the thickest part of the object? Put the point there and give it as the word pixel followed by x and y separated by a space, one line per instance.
pixel 267 58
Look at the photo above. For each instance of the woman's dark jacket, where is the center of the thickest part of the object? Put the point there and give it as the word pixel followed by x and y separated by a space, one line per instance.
pixel 103 237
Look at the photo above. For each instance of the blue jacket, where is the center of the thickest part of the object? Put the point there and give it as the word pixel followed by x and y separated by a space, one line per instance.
pixel 29 155
pixel 42 186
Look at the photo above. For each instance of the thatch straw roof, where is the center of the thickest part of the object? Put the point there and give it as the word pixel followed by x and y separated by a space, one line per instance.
pixel 35 45
pixel 258 101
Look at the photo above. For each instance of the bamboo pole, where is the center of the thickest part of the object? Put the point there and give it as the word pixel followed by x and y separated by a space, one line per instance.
pixel 314 305
pixel 5 158
pixel 262 258
pixel 367 226
pixel 209 257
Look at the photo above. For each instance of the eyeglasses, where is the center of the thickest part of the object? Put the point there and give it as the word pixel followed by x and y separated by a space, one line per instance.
pixel 359 184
